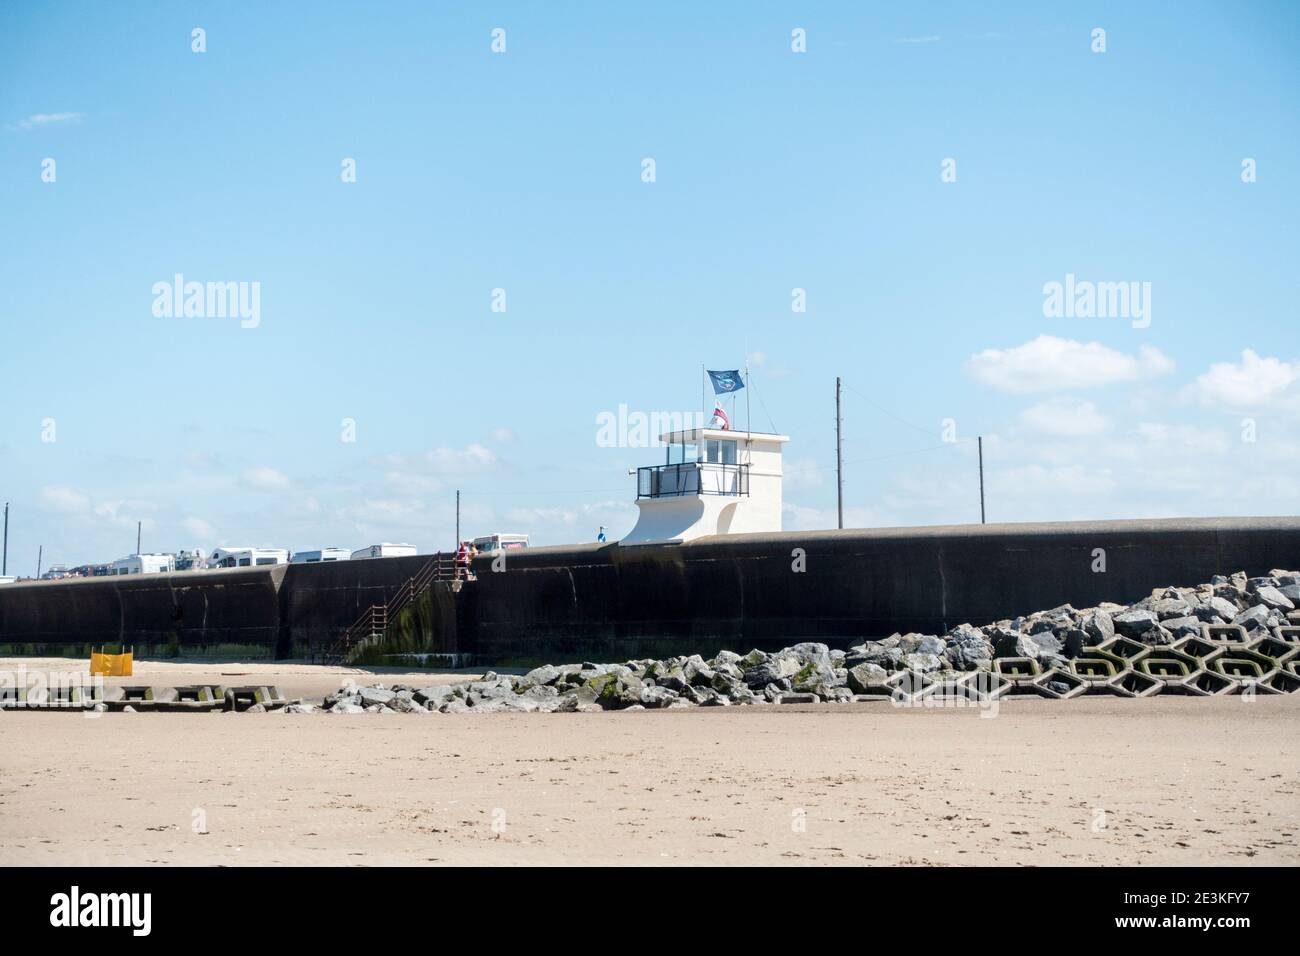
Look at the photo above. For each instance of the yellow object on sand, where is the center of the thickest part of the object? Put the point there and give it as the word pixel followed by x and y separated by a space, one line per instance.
pixel 111 665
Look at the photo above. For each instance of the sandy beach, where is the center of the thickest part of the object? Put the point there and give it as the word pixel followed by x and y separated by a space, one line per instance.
pixel 1172 781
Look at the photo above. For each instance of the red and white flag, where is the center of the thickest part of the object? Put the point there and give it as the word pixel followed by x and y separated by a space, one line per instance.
pixel 719 418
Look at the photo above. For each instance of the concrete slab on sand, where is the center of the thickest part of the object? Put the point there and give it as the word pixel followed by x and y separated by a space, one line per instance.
pixel 1172 781
pixel 309 681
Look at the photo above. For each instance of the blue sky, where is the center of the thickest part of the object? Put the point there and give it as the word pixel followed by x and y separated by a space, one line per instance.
pixel 774 170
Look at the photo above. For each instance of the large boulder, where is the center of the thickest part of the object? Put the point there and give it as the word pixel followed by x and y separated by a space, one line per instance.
pixel 772 670
pixel 1215 610
pixel 1188 626
pixel 1254 619
pixel 436 694
pixel 1273 598
pixel 867 678
pixel 1135 622
pixel 1167 608
pixel 545 675
pixel 920 662
pixel 653 696
pixel 370 696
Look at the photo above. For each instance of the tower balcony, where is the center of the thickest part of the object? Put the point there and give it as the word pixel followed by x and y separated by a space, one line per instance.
pixel 692 478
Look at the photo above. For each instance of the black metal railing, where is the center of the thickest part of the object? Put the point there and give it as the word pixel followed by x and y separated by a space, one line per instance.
pixel 692 478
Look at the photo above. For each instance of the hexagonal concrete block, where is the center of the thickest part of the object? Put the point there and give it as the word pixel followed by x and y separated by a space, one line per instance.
pixel 1232 634
pixel 1133 683
pixel 1060 684
pixel 1199 648
pixel 1243 664
pixel 1016 668
pixel 1120 646
pixel 1167 664
pixel 1204 683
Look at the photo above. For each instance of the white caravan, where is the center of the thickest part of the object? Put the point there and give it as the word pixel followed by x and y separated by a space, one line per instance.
pixel 144 564
pixel 385 551
pixel 492 543
pixel 324 554
pixel 247 557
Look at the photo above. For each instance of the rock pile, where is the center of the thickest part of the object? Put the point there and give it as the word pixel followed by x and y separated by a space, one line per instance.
pixel 1056 653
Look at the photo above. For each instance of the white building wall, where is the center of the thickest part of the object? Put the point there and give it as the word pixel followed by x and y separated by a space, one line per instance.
pixel 683 517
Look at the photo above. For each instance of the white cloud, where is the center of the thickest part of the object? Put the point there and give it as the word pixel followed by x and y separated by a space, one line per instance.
pixel 1253 383
pixel 1034 480
pixel 444 461
pixel 199 528
pixel 503 436
pixel 64 500
pixel 802 518
pixel 802 473
pixel 267 479
pixel 412 484
pixel 572 522
pixel 1051 364
pixel 1181 439
pixel 1065 417
pixel 41 120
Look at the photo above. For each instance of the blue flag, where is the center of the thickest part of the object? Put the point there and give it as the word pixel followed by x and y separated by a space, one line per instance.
pixel 724 382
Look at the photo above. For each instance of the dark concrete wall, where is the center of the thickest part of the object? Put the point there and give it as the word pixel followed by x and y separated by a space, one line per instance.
pixel 607 602
pixel 228 612
pixel 291 610
pixel 318 602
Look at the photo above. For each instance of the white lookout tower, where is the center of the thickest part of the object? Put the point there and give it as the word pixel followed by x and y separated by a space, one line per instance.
pixel 712 481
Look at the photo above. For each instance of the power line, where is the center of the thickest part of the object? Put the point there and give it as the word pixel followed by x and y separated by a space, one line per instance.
pixel 885 411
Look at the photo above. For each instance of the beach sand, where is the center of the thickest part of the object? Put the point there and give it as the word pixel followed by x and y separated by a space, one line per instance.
pixel 1167 780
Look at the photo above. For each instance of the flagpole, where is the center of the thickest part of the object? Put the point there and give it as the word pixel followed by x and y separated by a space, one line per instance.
pixel 749 427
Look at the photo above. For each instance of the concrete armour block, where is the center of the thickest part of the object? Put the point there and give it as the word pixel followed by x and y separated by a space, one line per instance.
pixel 1282 681
pixel 1168 665
pixel 987 685
pixel 1124 647
pixel 1097 667
pixel 1287 634
pixel 241 698
pixel 270 697
pixel 1133 683
pixel 1060 684
pixel 1230 634
pixel 1279 651
pixel 1204 683
pixel 1016 668
pixel 1199 648
pixel 1243 664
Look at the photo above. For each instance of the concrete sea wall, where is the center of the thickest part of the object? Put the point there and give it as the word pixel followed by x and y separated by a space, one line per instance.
pixel 608 602
pixel 274 612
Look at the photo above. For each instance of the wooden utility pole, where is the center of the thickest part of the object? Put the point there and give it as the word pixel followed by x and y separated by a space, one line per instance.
pixel 40 554
pixel 981 447
pixel 4 562
pixel 839 455
pixel 457 548
pixel 137 537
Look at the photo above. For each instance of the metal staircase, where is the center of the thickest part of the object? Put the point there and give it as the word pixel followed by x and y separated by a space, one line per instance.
pixel 373 623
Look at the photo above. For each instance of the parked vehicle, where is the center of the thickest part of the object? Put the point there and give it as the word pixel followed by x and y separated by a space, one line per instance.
pixel 324 554
pixel 385 551
pixel 143 564
pixel 247 557
pixel 491 543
